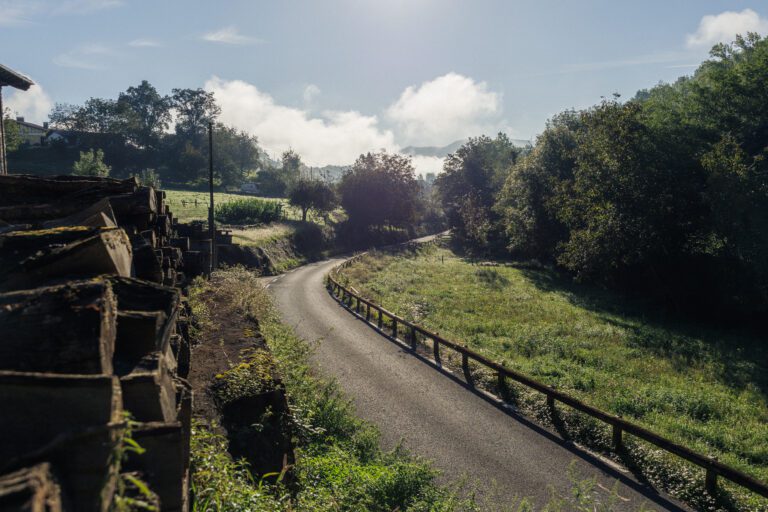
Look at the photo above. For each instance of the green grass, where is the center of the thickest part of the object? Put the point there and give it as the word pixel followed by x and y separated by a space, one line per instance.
pixel 247 211
pixel 182 204
pixel 339 464
pixel 262 235
pixel 703 387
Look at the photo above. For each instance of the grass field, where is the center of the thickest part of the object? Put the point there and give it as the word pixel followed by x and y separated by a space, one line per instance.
pixel 703 387
pixel 188 205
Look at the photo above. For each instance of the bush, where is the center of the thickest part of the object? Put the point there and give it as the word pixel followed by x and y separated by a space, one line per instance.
pixel 249 211
pixel 91 163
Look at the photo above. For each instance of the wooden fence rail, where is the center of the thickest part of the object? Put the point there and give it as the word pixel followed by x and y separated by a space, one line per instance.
pixel 354 302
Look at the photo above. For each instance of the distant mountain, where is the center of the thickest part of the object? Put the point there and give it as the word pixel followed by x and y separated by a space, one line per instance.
pixel 442 152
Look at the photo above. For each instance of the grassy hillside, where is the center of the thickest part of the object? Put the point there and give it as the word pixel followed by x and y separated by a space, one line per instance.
pixel 704 387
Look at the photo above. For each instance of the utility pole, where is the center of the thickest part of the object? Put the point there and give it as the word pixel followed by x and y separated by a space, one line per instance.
pixel 211 224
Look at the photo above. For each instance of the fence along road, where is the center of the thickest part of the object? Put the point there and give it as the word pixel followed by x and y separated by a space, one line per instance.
pixel 439 418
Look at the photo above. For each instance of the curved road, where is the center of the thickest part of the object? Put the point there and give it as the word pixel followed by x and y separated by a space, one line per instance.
pixel 436 416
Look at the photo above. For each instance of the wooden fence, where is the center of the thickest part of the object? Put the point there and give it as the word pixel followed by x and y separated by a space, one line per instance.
pixel 375 314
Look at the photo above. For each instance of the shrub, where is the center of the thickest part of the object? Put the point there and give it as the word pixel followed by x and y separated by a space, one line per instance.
pixel 91 163
pixel 249 211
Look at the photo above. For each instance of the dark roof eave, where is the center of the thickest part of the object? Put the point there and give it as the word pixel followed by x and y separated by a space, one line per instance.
pixel 14 79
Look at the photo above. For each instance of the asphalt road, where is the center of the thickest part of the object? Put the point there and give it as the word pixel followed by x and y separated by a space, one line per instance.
pixel 505 456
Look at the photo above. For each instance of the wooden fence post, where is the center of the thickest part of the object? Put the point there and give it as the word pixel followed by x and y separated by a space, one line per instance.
pixel 465 369
pixel 503 388
pixel 617 437
pixel 710 481
pixel 394 327
pixel 436 351
pixel 367 312
pixel 381 319
pixel 413 338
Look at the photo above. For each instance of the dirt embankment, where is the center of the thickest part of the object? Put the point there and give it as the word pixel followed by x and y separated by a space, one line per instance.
pixel 238 391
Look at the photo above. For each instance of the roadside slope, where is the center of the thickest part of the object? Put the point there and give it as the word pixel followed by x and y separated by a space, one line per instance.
pixel 438 417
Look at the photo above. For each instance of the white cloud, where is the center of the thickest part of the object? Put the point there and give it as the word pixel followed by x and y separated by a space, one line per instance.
pixel 90 56
pixel 34 104
pixel 144 43
pixel 311 92
pixel 336 137
pixel 723 28
pixel 425 164
pixel 229 35
pixel 445 109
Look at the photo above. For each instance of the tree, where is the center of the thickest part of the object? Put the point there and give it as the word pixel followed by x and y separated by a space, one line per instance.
pixel 379 190
pixel 97 115
pixel 312 195
pixel 270 181
pixel 91 163
pixel 291 167
pixel 468 189
pixel 195 108
pixel 12 136
pixel 150 178
pixel 147 113
pixel 528 201
pixel 235 154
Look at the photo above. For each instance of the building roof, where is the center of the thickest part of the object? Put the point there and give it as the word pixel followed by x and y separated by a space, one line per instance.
pixel 31 125
pixel 14 79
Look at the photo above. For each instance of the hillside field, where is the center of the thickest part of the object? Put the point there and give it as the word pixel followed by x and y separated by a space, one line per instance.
pixel 703 387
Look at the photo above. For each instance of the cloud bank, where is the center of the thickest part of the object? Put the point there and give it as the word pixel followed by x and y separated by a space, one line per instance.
pixel 333 138
pixel 723 28
pixel 34 104
pixel 445 109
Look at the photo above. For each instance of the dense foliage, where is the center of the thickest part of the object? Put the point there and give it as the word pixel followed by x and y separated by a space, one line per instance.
pixel 339 465
pixel 91 163
pixel 133 133
pixel 312 195
pixel 248 211
pixel 468 187
pixel 380 190
pixel 666 192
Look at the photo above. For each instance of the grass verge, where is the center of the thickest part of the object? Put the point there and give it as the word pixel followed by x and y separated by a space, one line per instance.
pixel 339 465
pixel 700 386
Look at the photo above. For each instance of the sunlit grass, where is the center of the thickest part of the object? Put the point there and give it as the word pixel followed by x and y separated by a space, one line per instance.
pixel 703 387
pixel 260 235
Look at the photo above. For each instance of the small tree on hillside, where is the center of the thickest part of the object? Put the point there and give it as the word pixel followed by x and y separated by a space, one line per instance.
pixel 312 195
pixel 291 170
pixel 12 135
pixel 91 163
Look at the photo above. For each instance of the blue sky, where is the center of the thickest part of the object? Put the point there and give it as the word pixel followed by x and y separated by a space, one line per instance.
pixel 333 78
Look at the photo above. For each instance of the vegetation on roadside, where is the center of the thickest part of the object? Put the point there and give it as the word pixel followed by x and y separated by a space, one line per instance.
pixel 666 193
pixel 703 387
pixel 248 211
pixel 339 465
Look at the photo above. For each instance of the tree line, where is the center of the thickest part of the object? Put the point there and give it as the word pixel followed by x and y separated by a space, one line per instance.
pixel 143 131
pixel 666 193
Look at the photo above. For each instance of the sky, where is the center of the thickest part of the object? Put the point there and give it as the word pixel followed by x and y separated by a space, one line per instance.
pixel 336 78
